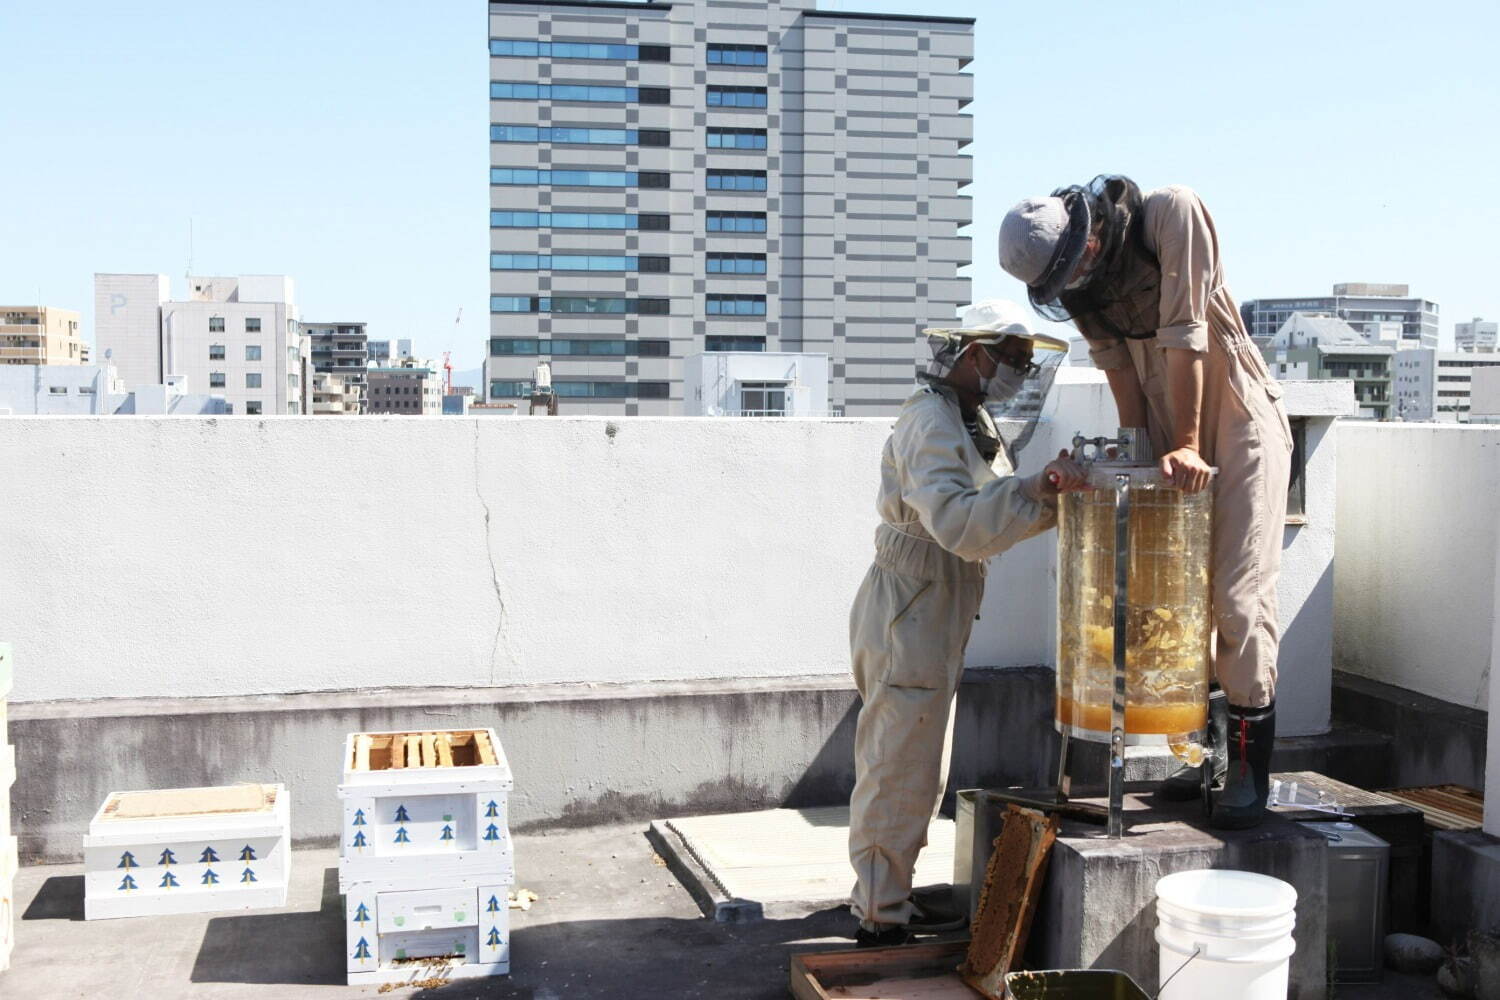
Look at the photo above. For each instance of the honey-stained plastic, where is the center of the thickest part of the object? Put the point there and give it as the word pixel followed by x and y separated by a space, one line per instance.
pixel 1168 627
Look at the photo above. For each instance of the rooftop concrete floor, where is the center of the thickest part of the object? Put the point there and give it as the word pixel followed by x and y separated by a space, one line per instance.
pixel 611 922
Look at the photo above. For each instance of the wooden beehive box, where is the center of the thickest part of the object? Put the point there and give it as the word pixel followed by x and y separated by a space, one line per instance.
pixel 425 809
pixel 425 935
pixel 187 850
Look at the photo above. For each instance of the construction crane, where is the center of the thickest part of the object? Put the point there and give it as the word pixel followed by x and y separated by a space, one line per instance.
pixel 447 373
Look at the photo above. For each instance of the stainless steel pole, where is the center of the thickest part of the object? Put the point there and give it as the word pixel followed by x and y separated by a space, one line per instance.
pixel 1116 827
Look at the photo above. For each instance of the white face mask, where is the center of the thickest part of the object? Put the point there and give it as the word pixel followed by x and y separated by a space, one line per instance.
pixel 1002 386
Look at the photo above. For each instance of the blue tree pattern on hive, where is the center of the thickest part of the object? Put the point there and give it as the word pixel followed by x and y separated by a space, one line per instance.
pixel 126 884
pixel 362 950
pixel 127 860
pixel 362 915
pixel 491 810
pixel 209 878
pixel 248 854
pixel 209 857
pixel 493 940
pixel 447 833
pixel 491 833
pixel 401 837
pixel 359 839
pixel 249 876
pixel 168 881
pixel 167 857
pixel 359 818
pixel 401 816
pixel 493 906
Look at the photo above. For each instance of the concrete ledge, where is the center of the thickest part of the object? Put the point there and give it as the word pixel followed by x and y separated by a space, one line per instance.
pixel 1432 742
pixel 583 754
pixel 1465 885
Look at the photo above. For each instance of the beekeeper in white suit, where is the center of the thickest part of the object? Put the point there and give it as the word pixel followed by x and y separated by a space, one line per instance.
pixel 949 500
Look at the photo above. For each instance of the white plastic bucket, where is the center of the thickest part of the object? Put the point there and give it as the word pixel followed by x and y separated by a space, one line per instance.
pixel 1236 927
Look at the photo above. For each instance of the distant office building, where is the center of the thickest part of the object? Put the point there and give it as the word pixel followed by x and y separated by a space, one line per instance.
pixel 240 337
pixel 759 384
pixel 412 387
pixel 1324 347
pixel 669 179
pixel 1477 336
pixel 1384 314
pixel 98 390
pixel 1485 396
pixel 379 352
pixel 127 324
pixel 40 335
pixel 341 349
pixel 1438 385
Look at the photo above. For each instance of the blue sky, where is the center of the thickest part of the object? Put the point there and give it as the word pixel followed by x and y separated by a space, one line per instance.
pixel 345 143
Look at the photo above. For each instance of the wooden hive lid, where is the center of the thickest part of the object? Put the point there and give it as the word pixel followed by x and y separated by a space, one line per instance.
pixel 178 802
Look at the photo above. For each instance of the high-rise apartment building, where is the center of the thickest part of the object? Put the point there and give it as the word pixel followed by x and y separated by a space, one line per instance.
pixel 1386 315
pixel 40 335
pixel 239 338
pixel 341 349
pixel 1477 336
pixel 711 175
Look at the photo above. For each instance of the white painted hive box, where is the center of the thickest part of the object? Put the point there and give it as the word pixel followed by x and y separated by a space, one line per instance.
pixel 424 810
pixel 424 934
pixel 188 850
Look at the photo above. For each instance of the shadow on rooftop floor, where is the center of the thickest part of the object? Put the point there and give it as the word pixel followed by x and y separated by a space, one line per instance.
pixel 308 945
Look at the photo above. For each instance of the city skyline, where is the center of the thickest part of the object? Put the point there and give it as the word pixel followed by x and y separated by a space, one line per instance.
pixel 351 152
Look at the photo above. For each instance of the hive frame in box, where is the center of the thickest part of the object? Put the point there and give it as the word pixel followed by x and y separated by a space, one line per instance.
pixel 414 827
pixel 187 863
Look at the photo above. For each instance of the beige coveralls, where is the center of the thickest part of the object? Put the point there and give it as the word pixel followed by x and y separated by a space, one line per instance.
pixel 1243 428
pixel 944 510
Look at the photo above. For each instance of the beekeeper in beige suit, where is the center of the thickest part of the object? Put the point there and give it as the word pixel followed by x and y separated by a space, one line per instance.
pixel 948 501
pixel 1142 278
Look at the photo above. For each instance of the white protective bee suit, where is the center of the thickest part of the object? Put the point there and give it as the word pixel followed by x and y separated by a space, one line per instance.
pixel 944 510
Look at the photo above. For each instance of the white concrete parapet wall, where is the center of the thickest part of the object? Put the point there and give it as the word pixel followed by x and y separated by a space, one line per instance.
pixel 1418 530
pixel 168 557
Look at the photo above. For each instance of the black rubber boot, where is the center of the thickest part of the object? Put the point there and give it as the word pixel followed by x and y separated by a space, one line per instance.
pixel 1252 737
pixel 888 937
pixel 1186 783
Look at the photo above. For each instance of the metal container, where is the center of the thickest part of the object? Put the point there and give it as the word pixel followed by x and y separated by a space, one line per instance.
pixel 1164 582
pixel 977 817
pixel 1085 984
pixel 1358 872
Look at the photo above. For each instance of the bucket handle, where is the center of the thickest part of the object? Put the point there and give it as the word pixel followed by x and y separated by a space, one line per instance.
pixel 1197 950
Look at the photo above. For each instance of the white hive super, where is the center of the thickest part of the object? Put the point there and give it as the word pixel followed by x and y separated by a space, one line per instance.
pixel 425 856
pixel 8 857
pixel 187 850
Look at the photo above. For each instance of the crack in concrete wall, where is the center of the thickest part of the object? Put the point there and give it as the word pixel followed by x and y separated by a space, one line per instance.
pixel 489 551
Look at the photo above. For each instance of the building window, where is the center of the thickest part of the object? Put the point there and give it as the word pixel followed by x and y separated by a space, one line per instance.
pixel 654 307
pixel 736 180
pixel 252 380
pixel 654 223
pixel 506 346
pixel 216 324
pixel 763 399
pixel 654 265
pixel 654 137
pixel 503 91
pixel 736 222
pixel 252 408
pixel 720 342
pixel 510 390
pixel 654 95
pixel 252 352
pixel 653 348
pixel 589 348
pixel 561 220
pixel 736 305
pixel 579 304
pixel 736 263
pixel 653 179
pixel 559 262
pixel 736 138
pixel 736 97
pixel 1296 498
pixel 216 380
pixel 216 352
pixel 252 324
pixel 57 390
pixel 655 53
pixel 654 390
pixel 736 55
pixel 528 48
